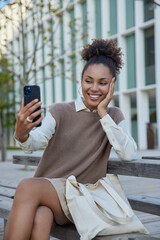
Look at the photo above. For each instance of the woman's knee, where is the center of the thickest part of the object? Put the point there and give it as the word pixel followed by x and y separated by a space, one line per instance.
pixel 25 190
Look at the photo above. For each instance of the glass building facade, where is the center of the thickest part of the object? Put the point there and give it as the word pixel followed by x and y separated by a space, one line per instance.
pixel 134 25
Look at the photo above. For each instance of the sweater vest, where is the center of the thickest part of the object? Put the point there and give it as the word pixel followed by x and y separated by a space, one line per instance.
pixel 79 146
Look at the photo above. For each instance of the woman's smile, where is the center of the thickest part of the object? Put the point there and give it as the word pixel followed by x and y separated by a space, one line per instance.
pixel 94 97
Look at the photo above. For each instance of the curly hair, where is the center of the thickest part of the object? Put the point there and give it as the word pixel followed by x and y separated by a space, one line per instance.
pixel 105 52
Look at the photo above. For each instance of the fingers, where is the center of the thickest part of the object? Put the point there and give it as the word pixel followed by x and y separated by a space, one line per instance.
pixel 33 116
pixel 29 111
pixel 104 103
pixel 28 106
pixel 113 83
pixel 23 127
pixel 22 104
pixel 34 124
pixel 112 86
pixel 111 89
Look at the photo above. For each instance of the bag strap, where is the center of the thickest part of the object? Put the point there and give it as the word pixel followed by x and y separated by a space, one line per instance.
pixel 93 205
pixel 114 219
pixel 122 204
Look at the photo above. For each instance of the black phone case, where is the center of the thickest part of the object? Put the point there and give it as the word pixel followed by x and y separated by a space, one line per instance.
pixel 34 94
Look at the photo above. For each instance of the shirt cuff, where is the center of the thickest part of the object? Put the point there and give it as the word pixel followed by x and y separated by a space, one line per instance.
pixel 107 122
pixel 25 144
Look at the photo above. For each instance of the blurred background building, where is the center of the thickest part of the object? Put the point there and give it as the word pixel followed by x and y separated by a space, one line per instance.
pixel 55 35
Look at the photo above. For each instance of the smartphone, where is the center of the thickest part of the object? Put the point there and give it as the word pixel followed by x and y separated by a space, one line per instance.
pixel 32 92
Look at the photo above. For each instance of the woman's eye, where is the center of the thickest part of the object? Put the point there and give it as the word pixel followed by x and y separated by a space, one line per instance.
pixel 103 83
pixel 88 81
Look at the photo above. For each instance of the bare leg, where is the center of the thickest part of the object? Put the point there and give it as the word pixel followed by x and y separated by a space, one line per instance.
pixel 43 223
pixel 30 194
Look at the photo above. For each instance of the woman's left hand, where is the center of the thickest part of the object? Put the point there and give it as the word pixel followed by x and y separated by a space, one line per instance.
pixel 103 105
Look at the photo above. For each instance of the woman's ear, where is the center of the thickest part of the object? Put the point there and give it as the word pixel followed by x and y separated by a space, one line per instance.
pixel 113 79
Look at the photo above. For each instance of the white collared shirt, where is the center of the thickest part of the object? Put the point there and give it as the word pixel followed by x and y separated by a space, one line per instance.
pixel 118 136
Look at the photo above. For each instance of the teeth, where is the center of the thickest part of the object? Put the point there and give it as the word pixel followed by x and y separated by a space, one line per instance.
pixel 94 96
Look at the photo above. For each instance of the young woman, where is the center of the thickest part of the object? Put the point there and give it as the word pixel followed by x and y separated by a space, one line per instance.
pixel 78 137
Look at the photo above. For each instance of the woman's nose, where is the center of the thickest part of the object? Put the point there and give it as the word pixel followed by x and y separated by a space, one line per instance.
pixel 94 87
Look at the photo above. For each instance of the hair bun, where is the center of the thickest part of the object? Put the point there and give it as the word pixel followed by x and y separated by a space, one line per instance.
pixel 106 48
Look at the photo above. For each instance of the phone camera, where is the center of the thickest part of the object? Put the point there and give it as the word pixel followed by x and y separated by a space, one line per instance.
pixel 27 91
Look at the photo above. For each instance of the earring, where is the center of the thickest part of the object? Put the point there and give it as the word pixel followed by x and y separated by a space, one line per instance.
pixel 80 91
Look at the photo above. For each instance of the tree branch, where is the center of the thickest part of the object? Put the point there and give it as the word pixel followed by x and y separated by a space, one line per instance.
pixel 155 2
pixel 14 54
pixel 11 71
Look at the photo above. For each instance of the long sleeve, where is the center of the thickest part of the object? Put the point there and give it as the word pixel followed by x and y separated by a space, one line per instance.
pixel 40 136
pixel 123 144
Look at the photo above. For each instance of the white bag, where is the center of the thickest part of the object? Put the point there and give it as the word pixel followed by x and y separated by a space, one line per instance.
pixel 101 209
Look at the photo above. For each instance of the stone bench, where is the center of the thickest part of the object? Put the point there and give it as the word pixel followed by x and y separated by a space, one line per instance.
pixel 137 168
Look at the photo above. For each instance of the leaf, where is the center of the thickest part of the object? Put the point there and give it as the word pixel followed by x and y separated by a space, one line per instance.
pixel 54 10
pixel 49 30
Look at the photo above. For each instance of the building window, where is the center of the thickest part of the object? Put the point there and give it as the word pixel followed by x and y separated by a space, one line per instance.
pixel 73 77
pixel 98 18
pixel 18 42
pixel 116 88
pixel 131 67
pixel 152 124
pixel 84 23
pixel 134 118
pixel 72 27
pixel 130 21
pixel 149 56
pixel 116 101
pixel 52 60
pixel 26 52
pixel 63 80
pixel 34 44
pixel 73 58
pixel 43 68
pixel 152 108
pixel 148 10
pixel 44 85
pixel 113 17
pixel 62 35
pixel 61 3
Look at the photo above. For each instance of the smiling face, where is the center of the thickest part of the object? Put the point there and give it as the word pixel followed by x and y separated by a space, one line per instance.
pixel 95 84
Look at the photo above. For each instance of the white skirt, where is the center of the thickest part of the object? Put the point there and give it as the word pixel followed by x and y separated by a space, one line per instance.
pixel 60 186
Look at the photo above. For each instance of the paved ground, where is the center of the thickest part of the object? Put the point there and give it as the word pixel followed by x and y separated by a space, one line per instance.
pixel 131 185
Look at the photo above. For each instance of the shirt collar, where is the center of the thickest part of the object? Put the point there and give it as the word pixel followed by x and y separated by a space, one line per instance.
pixel 80 106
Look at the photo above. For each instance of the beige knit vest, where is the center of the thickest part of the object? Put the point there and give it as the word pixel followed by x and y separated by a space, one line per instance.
pixel 79 146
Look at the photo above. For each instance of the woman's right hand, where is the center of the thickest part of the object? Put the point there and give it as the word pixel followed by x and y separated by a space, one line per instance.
pixel 23 126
